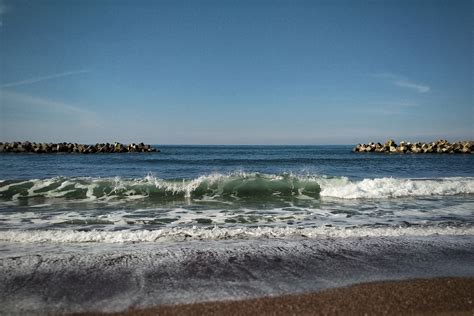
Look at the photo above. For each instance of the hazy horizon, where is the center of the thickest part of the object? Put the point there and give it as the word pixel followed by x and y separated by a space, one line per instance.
pixel 236 72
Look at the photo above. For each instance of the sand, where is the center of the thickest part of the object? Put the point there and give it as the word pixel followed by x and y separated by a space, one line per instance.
pixel 442 296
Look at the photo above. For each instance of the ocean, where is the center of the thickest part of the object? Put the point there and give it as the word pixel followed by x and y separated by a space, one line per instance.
pixel 105 232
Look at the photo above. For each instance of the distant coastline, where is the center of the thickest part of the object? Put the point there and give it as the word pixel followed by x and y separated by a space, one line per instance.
pixel 47 148
pixel 439 147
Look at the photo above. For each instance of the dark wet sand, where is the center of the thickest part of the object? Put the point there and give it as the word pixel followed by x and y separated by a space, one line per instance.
pixel 442 296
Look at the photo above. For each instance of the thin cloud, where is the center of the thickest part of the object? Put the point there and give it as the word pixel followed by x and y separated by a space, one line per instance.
pixel 402 82
pixel 48 105
pixel 30 117
pixel 43 78
pixel 411 85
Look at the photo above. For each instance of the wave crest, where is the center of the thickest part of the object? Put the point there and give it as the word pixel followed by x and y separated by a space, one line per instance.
pixel 253 186
pixel 394 188
pixel 235 185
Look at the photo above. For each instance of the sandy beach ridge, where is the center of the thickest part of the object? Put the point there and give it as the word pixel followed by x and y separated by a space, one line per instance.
pixel 440 296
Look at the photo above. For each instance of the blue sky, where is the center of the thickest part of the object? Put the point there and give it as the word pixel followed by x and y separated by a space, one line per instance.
pixel 236 72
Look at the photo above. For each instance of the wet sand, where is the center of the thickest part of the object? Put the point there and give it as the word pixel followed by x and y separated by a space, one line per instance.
pixel 441 296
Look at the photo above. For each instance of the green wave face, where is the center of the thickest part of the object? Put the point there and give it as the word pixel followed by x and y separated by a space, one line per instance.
pixel 216 186
pixel 231 187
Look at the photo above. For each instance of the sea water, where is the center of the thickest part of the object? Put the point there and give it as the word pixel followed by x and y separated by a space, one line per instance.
pixel 193 206
pixel 216 191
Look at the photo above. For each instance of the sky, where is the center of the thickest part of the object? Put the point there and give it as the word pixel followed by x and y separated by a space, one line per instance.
pixel 236 72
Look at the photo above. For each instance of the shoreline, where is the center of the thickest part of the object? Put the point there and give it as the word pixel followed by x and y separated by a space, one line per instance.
pixel 95 278
pixel 436 296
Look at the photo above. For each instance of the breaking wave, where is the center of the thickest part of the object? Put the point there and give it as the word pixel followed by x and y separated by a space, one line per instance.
pixel 394 188
pixel 225 233
pixel 232 186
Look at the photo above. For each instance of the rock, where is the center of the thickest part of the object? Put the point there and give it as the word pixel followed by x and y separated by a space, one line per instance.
pixel 28 147
pixel 466 150
pixel 439 146
pixel 429 149
pixel 390 143
pixel 402 148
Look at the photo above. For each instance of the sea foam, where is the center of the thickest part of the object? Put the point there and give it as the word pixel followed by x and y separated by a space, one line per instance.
pixel 224 233
pixel 393 188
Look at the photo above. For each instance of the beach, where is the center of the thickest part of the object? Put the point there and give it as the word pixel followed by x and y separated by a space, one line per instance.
pixel 236 157
pixel 443 296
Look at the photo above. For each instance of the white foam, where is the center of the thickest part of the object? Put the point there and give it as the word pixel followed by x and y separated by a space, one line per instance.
pixel 219 233
pixel 393 188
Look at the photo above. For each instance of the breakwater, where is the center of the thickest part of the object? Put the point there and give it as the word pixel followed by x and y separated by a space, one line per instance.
pixel 40 148
pixel 440 146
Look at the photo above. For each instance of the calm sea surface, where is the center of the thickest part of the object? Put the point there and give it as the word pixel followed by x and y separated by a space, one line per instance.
pixel 187 162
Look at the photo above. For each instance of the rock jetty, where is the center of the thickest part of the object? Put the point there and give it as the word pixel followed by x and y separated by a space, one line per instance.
pixel 47 148
pixel 440 146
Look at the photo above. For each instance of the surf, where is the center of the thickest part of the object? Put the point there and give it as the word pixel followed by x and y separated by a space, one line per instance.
pixel 226 233
pixel 232 186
